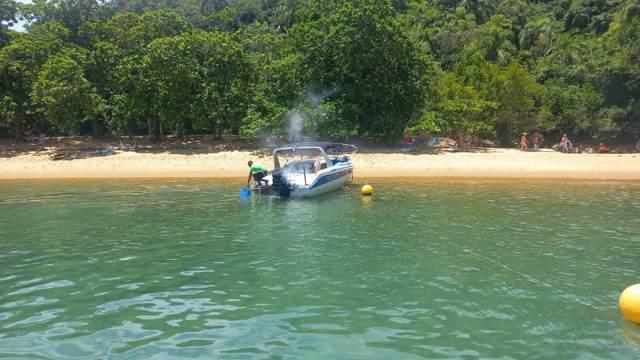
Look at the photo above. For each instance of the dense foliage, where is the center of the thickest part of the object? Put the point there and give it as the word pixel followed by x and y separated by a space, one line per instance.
pixel 490 68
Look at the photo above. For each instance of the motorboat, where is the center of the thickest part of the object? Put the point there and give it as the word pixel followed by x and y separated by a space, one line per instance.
pixel 308 169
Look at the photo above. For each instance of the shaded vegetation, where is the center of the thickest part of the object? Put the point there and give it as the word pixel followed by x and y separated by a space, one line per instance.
pixel 343 67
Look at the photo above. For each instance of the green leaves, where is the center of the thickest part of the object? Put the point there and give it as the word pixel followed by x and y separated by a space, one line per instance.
pixel 520 102
pixel 366 67
pixel 360 53
pixel 8 11
pixel 577 109
pixel 226 75
pixel 64 95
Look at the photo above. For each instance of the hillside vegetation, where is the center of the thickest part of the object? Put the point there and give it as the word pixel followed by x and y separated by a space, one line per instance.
pixel 341 68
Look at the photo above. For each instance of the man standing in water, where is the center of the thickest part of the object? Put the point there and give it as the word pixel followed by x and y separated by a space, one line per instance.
pixel 258 172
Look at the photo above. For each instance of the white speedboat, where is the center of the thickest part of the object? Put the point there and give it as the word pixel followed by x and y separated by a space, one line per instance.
pixel 308 169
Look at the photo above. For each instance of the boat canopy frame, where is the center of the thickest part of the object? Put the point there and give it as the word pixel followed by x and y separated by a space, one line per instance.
pixel 323 147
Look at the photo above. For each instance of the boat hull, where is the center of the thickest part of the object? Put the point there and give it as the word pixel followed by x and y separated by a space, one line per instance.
pixel 324 183
pixel 308 169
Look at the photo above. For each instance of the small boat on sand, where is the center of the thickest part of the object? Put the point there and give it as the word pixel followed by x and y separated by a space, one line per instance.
pixel 308 169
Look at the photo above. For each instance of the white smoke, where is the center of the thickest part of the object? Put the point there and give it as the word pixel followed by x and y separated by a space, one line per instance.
pixel 295 125
pixel 296 119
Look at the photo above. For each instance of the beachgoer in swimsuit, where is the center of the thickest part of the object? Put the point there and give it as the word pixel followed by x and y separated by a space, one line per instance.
pixel 524 143
pixel 563 143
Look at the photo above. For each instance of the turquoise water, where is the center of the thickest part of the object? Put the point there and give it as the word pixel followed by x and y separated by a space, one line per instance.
pixel 184 269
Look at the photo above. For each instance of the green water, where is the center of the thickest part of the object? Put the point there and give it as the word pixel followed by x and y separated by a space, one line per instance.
pixel 184 269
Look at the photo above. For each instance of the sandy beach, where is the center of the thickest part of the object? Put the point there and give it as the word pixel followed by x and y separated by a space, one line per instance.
pixel 485 163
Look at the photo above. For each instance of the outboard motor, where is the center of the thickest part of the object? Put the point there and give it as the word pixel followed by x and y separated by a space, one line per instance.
pixel 281 184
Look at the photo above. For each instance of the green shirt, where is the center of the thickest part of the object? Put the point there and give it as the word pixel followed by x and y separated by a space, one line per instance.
pixel 256 168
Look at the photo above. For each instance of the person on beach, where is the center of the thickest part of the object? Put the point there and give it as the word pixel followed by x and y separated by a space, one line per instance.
pixel 602 148
pixel 524 143
pixel 565 144
pixel 258 172
pixel 405 139
pixel 536 139
pixel 638 146
pixel 424 137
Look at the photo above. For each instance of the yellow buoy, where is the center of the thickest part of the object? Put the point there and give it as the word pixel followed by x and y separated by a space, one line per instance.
pixel 630 303
pixel 367 190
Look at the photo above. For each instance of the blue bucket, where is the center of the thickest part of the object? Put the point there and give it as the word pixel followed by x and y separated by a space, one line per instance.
pixel 245 193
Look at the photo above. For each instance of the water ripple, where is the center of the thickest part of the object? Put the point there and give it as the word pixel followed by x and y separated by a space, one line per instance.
pixel 182 269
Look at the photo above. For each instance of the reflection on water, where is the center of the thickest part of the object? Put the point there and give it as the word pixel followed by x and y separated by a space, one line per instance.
pixel 463 269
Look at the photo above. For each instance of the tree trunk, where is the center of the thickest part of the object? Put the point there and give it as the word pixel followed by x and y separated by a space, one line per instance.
pixel 218 132
pixel 19 134
pixel 155 130
pixel 179 131
pixel 503 134
pixel 128 130
pixel 95 127
pixel 150 128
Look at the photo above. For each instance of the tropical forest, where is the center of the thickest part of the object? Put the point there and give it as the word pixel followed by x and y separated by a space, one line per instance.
pixel 345 68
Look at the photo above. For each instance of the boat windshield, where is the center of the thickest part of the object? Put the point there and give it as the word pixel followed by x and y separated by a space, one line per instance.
pixel 314 157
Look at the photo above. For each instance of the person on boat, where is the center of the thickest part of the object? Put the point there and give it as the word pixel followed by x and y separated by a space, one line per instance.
pixel 524 143
pixel 258 172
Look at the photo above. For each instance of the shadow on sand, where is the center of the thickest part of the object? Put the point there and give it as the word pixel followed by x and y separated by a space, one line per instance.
pixel 71 148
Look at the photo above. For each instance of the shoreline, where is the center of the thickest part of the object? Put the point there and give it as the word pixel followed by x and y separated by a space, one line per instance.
pixel 382 173
pixel 487 164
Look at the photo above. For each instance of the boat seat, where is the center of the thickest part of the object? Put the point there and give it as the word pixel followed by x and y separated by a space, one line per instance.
pixel 309 165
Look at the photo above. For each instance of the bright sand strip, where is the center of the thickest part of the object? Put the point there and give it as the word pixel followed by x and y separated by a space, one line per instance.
pixel 493 163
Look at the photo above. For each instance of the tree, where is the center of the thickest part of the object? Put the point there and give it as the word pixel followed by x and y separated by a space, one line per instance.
pixel 8 11
pixel 65 96
pixel 576 109
pixel 359 54
pixel 172 75
pixel 211 6
pixel 495 40
pixel 127 38
pixel 519 100
pixel 482 9
pixel 537 34
pixel 9 113
pixel 71 14
pixel 454 107
pixel 226 75
pixel 588 13
pixel 279 84
pixel 20 64
pixel 566 50
pixel 366 67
